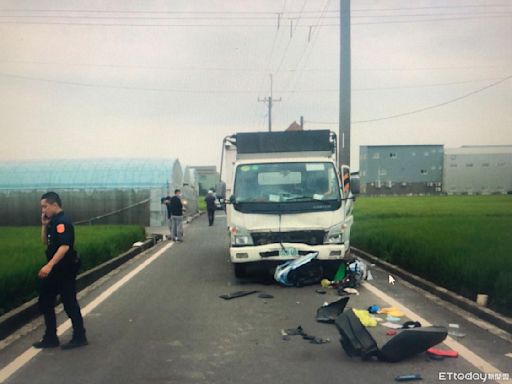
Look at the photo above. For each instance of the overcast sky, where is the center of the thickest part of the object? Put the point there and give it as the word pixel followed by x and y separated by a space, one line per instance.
pixel 123 78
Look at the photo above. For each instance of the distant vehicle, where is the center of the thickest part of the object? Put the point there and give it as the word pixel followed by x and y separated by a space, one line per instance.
pixel 286 198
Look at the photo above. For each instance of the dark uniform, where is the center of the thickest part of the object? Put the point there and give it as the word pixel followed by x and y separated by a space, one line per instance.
pixel 210 207
pixel 61 280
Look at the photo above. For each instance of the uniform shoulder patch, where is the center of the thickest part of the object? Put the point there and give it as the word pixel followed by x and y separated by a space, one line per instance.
pixel 61 228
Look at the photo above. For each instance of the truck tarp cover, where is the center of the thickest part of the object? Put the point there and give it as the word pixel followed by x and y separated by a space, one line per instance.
pixel 267 142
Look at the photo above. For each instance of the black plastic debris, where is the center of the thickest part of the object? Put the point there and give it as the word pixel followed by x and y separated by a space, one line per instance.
pixel 357 341
pixel 411 324
pixel 329 313
pixel 321 291
pixel 299 331
pixel 265 296
pixel 234 295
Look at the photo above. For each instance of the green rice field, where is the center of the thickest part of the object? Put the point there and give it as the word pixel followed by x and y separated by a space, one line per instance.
pixel 22 255
pixel 463 243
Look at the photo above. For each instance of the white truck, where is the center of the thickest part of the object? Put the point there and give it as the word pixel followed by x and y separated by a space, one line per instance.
pixel 286 198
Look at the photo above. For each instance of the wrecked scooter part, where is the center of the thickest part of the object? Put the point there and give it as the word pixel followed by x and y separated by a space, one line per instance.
pixel 234 295
pixel 357 341
pixel 328 313
pixel 287 273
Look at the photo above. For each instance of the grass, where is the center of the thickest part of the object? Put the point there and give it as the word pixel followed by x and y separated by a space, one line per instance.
pixel 22 256
pixel 201 204
pixel 462 243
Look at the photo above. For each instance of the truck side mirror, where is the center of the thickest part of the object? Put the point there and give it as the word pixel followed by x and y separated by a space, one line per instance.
pixel 355 184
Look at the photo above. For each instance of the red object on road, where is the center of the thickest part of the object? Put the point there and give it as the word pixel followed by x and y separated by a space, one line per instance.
pixel 442 352
pixel 391 332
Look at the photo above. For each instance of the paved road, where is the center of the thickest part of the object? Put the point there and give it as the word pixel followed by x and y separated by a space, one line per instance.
pixel 168 325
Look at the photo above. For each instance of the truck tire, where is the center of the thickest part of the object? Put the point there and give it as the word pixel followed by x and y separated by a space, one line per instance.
pixel 240 270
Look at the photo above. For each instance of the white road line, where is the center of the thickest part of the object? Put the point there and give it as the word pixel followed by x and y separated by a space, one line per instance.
pixel 468 355
pixel 26 356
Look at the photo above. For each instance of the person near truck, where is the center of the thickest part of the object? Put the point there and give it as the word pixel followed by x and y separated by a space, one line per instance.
pixel 176 208
pixel 210 206
pixel 58 275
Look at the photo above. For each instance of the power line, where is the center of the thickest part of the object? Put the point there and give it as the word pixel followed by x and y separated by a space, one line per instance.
pixel 420 109
pixel 459 6
pixel 414 21
pixel 130 88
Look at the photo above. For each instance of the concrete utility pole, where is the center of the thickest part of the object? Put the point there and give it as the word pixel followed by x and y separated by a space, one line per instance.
pixel 270 100
pixel 344 118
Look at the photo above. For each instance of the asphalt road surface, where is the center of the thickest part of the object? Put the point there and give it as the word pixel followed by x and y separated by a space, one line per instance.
pixel 159 319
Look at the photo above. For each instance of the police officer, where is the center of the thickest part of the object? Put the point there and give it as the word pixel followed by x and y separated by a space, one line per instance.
pixel 58 274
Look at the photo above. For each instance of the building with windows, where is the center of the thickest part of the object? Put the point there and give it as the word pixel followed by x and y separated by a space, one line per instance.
pixel 401 169
pixel 208 178
pixel 478 170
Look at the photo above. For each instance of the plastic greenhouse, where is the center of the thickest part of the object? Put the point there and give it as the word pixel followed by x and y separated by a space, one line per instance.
pixel 115 191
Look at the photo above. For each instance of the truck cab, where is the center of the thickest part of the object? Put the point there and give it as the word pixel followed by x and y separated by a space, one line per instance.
pixel 286 198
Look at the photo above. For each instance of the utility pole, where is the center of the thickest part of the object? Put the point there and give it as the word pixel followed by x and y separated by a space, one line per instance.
pixel 270 100
pixel 344 117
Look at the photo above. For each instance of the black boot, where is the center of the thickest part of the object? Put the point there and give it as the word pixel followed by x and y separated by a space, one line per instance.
pixel 75 342
pixel 47 342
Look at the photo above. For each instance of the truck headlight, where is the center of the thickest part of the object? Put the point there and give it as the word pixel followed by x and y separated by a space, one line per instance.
pixel 335 234
pixel 240 237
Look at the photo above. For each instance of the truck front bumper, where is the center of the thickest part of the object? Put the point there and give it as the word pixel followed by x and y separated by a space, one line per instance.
pixel 271 252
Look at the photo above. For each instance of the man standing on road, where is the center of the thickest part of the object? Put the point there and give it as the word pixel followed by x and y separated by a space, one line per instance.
pixel 59 273
pixel 177 209
pixel 210 206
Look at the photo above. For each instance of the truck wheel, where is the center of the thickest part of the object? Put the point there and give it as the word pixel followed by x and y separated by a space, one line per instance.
pixel 240 270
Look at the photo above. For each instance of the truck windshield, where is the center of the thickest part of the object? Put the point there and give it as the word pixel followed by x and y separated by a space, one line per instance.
pixel 287 183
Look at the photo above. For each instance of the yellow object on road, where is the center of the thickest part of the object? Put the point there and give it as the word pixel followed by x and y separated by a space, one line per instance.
pixel 392 311
pixel 364 316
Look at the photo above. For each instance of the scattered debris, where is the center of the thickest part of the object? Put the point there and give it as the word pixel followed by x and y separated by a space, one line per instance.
pixel 411 324
pixel 325 283
pixel 387 324
pixel 509 355
pixel 393 319
pixel 391 332
pixel 299 331
pixel 321 291
pixel 392 311
pixel 328 313
pixel 299 272
pixel 264 295
pixel 234 295
pixel 442 352
pixel 351 291
pixel 369 276
pixel 454 330
pixel 373 309
pixel 411 377
pixel 364 316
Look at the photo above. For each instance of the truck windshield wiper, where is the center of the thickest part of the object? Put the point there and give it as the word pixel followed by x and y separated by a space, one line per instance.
pixel 296 197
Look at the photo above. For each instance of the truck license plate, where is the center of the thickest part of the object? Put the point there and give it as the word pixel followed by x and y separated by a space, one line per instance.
pixel 288 252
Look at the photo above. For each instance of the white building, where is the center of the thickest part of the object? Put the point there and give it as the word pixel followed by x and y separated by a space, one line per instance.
pixel 478 170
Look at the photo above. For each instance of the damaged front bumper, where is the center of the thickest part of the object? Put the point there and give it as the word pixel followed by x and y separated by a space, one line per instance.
pixel 288 251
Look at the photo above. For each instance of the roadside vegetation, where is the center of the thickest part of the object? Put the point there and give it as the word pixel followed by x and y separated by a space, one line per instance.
pixel 462 243
pixel 23 255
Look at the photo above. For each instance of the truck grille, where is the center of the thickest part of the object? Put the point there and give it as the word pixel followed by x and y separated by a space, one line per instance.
pixel 304 237
pixel 276 253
